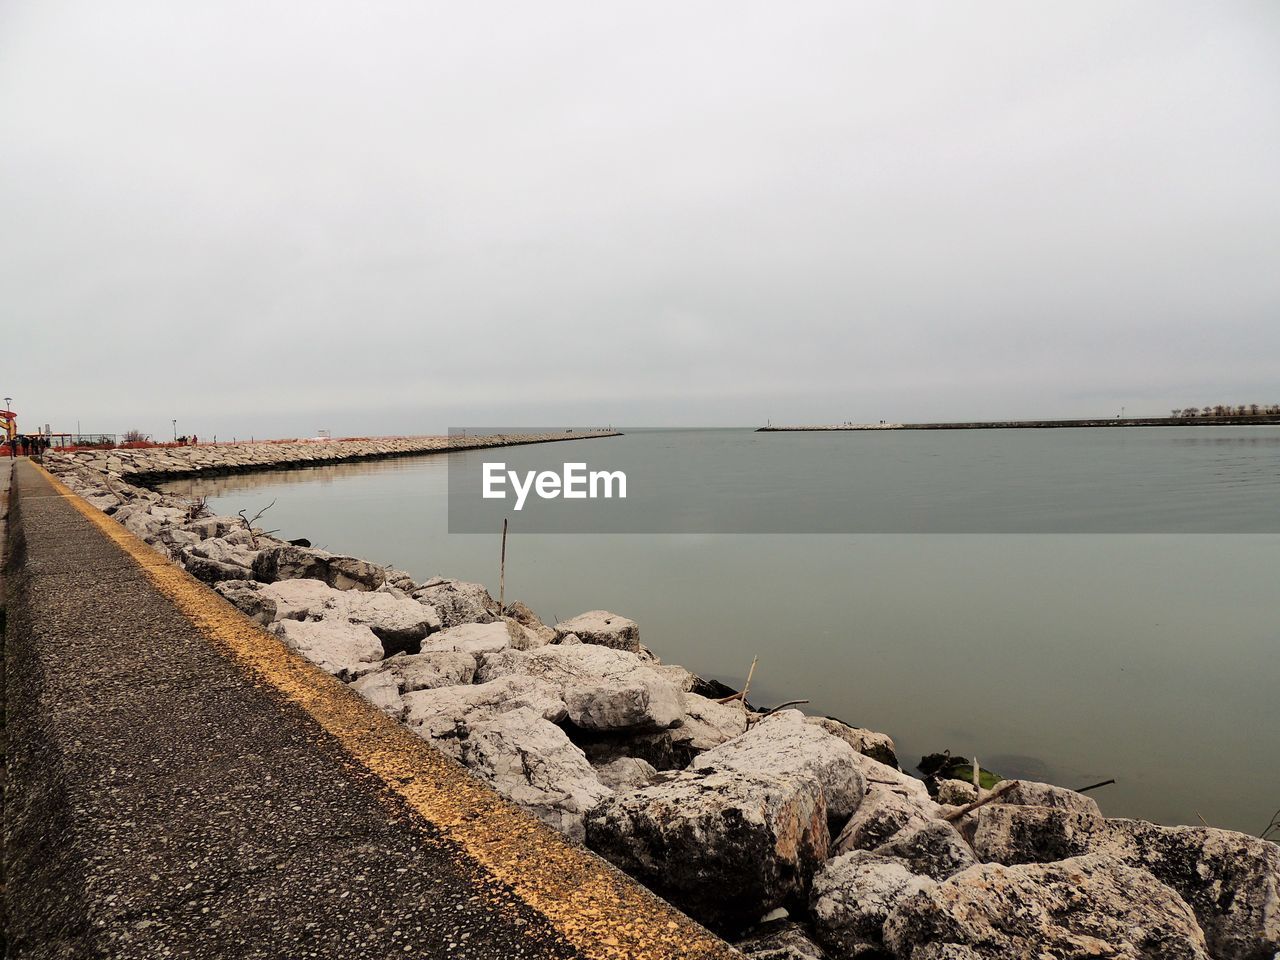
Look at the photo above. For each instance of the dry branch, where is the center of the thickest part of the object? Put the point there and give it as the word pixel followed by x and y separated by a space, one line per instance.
pixel 998 791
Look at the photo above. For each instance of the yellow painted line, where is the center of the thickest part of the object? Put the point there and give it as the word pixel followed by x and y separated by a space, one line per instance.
pixel 597 909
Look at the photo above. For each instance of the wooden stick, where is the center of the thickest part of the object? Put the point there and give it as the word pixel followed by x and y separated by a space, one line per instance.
pixel 1095 786
pixel 742 694
pixel 783 706
pixel 502 571
pixel 747 688
pixel 977 779
pixel 981 801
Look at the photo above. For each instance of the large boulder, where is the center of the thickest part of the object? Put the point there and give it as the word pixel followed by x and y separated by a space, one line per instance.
pixel 445 715
pixel 215 560
pixel 102 499
pixel 458 601
pixel 290 562
pixel 684 680
pixel 602 628
pixel 301 599
pixel 287 562
pixel 384 684
pixel 881 775
pixel 172 540
pixel 426 671
pixel 784 745
pixel 172 512
pixel 352 573
pixel 340 648
pixel 207 527
pixel 852 897
pixel 472 638
pixel 1015 833
pixel 399 622
pixel 1231 880
pixel 625 773
pixel 248 596
pixel 780 941
pixel 1082 907
pixel 139 521
pixel 381 690
pixel 524 637
pixel 706 724
pixel 505 731
pixel 878 746
pixel 531 762
pixel 882 815
pixel 955 793
pixel 709 723
pixel 603 689
pixel 208 570
pixel 522 615
pixel 1033 794
pixel 224 551
pixel 725 846
pixel 935 850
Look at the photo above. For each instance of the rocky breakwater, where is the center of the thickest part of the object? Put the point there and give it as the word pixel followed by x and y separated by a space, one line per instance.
pixel 149 465
pixel 796 836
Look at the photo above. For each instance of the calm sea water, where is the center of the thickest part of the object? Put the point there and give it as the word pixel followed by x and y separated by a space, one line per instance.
pixel 1070 657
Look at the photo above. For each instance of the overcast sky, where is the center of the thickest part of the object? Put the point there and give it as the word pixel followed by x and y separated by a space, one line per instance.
pixel 373 217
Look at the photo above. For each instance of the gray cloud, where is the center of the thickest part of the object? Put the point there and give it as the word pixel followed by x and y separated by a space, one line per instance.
pixel 275 217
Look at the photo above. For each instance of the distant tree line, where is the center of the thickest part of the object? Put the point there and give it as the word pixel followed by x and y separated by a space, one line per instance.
pixel 1226 410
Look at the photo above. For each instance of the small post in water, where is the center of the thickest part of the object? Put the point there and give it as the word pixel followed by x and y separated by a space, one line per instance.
pixel 502 571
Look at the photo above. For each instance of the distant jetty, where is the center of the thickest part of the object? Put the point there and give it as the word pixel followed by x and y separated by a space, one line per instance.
pixel 1244 420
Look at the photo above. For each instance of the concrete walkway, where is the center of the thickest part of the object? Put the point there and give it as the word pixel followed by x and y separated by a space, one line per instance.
pixel 181 785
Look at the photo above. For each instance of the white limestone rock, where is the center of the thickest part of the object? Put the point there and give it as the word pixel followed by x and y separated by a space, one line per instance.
pixel 935 850
pixel 208 527
pixel 1017 833
pixel 457 601
pixel 248 597
pixel 956 793
pixel 1082 907
pixel 626 773
pixel 472 638
pixel 540 634
pixel 1231 880
pixel 445 715
pixel 785 744
pixel 603 689
pixel 878 746
pixel 781 941
pixel 382 691
pixel 602 628
pixel 339 648
pixel 725 846
pixel 883 813
pixel 531 762
pixel 426 671
pixel 398 621
pixel 853 895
